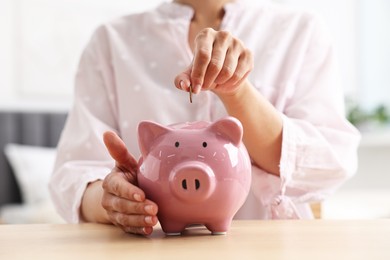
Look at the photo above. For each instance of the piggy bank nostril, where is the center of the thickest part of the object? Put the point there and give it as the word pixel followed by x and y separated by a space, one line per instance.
pixel 197 184
pixel 184 184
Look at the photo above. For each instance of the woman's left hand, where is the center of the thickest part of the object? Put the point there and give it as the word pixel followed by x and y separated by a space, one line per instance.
pixel 221 63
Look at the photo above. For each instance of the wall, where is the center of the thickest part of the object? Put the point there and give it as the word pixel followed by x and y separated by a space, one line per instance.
pixel 340 17
pixel 41 42
pixel 6 49
pixel 374 58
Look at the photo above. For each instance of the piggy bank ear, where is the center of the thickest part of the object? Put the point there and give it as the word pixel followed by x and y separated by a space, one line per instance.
pixel 230 128
pixel 147 134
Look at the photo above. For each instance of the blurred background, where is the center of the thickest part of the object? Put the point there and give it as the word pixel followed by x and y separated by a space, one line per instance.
pixel 41 42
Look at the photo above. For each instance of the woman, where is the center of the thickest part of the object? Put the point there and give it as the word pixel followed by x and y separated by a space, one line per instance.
pixel 271 67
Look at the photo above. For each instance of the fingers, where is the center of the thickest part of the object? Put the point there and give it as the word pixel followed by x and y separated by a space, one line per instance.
pixel 221 63
pixel 135 224
pixel 130 213
pixel 229 67
pixel 118 151
pixel 129 202
pixel 133 220
pixel 244 65
pixel 219 58
pixel 183 80
pixel 202 56
pixel 118 184
pixel 126 205
pixel 137 230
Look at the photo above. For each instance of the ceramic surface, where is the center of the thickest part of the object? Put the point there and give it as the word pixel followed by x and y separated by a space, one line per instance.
pixel 197 172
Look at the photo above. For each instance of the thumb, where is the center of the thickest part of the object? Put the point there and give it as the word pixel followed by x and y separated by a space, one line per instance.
pixel 183 80
pixel 118 151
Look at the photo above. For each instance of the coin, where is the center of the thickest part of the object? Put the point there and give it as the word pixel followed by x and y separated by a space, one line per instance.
pixel 190 94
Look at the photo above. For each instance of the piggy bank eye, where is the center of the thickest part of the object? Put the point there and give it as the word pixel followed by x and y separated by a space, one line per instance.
pixel 204 144
pixel 177 144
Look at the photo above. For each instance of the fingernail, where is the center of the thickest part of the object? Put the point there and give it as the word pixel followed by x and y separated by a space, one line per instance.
pixel 149 219
pixel 137 197
pixel 197 88
pixel 149 209
pixel 182 85
pixel 147 230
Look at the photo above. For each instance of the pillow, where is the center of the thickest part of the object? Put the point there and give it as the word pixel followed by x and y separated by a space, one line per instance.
pixel 32 166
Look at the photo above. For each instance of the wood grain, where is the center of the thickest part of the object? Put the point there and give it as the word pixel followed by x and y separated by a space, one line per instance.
pixel 294 239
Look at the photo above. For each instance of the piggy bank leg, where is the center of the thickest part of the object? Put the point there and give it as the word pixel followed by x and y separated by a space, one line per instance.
pixel 172 228
pixel 171 234
pixel 219 227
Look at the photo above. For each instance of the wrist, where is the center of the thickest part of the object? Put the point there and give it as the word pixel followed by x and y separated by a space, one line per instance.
pixel 234 101
pixel 91 209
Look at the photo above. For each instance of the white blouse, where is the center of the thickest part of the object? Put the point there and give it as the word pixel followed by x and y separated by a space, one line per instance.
pixel 126 75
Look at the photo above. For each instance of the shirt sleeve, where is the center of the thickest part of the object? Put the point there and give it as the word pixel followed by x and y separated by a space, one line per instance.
pixel 82 157
pixel 319 147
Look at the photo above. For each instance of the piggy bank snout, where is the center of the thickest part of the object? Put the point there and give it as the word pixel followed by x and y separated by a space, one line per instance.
pixel 192 181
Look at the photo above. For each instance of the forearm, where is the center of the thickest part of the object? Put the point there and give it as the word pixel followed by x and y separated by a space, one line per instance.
pixel 91 209
pixel 262 125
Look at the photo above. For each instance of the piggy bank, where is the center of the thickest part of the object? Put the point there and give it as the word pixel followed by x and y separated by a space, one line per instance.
pixel 197 172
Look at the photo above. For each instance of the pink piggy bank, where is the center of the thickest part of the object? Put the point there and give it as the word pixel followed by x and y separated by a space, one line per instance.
pixel 197 173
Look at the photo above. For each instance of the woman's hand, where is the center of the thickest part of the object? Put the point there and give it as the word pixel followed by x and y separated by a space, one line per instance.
pixel 123 201
pixel 221 63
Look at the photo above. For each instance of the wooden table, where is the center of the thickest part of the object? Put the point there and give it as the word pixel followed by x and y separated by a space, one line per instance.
pixel 293 240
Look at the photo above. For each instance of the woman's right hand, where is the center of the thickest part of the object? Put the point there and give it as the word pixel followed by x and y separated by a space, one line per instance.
pixel 123 200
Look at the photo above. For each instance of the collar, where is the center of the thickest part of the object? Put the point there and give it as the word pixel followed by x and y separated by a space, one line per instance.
pixel 179 11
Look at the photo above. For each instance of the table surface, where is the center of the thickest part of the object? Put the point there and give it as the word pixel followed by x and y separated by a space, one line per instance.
pixel 294 239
